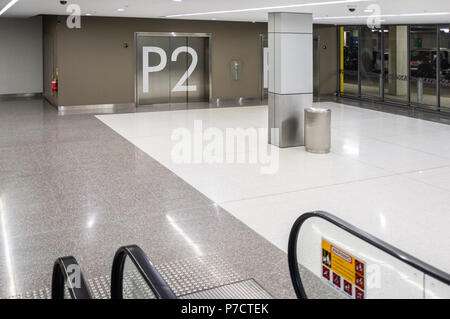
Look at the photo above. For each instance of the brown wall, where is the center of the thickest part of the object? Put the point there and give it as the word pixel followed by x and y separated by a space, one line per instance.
pixel 94 68
pixel 328 46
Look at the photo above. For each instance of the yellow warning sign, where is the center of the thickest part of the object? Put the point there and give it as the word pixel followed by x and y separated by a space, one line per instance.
pixel 342 270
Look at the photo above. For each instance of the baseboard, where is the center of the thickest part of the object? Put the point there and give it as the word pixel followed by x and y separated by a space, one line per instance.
pixel 95 107
pixel 4 97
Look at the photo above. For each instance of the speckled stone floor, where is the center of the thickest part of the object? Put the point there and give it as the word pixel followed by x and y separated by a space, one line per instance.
pixel 69 185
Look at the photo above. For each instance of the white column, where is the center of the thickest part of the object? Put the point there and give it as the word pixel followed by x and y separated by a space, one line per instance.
pixel 290 76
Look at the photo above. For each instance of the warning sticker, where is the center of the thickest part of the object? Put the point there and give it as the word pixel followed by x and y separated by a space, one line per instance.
pixel 343 271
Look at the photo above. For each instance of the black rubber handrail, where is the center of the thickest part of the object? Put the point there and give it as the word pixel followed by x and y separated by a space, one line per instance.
pixel 145 267
pixel 63 274
pixel 378 243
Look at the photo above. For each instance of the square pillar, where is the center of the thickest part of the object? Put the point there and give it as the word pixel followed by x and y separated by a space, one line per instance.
pixel 290 76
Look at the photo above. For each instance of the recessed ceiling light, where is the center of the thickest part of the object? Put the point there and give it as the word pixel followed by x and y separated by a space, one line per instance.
pixel 7 6
pixel 312 4
pixel 121 9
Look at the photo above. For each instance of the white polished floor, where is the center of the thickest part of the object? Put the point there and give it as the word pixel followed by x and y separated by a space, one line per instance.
pixel 387 174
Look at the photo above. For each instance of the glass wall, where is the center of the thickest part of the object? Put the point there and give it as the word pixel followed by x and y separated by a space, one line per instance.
pixel 370 66
pixel 423 65
pixel 396 63
pixel 444 40
pixel 349 60
pixel 405 64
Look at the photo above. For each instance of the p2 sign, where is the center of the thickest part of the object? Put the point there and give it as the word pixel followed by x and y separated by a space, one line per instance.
pixel 146 68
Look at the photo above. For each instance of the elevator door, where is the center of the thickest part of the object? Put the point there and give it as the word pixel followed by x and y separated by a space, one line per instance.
pixel 198 81
pixel 177 68
pixel 153 73
pixel 172 69
pixel 316 67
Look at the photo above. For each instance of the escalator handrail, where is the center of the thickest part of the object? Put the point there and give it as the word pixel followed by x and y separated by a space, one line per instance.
pixel 145 267
pixel 61 276
pixel 374 241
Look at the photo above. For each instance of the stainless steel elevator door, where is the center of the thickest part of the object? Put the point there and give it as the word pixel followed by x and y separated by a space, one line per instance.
pixel 198 81
pixel 178 65
pixel 172 69
pixel 152 87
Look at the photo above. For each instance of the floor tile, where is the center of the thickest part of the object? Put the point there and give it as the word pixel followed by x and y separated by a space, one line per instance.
pixel 81 185
pixel 357 181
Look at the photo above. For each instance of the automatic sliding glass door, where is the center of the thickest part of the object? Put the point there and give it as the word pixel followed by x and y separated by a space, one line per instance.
pixel 423 65
pixel 406 64
pixel 371 62
pixel 444 82
pixel 349 60
pixel 396 63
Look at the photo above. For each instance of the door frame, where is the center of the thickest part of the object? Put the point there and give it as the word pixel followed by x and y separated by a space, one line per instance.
pixel 171 34
pixel 263 39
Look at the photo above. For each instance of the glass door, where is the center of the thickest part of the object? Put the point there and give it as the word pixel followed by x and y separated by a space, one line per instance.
pixel 371 63
pixel 349 60
pixel 423 65
pixel 444 81
pixel 396 63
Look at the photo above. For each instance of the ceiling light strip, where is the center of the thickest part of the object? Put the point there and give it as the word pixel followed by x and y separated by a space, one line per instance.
pixel 386 16
pixel 266 8
pixel 7 6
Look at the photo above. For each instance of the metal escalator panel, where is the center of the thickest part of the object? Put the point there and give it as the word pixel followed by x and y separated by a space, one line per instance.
pixel 135 277
pixel 329 258
pixel 68 280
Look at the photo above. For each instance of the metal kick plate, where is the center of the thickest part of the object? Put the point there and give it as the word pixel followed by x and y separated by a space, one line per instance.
pixel 248 289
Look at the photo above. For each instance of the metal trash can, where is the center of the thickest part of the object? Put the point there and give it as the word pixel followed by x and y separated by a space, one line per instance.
pixel 317 130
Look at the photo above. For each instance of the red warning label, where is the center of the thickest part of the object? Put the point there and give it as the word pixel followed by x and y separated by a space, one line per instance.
pixel 343 271
pixel 348 288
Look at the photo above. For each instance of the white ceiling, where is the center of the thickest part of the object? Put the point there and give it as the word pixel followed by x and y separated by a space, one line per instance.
pixel 413 11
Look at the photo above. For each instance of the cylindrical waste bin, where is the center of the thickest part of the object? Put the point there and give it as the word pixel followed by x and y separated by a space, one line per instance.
pixel 317 130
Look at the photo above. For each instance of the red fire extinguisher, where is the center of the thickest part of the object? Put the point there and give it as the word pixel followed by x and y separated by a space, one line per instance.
pixel 54 85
